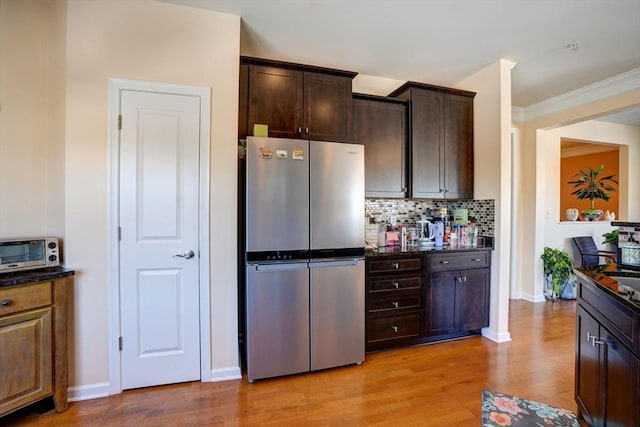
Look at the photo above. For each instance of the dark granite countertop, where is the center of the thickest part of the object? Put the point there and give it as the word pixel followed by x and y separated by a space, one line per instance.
pixel 398 250
pixel 31 276
pixel 605 278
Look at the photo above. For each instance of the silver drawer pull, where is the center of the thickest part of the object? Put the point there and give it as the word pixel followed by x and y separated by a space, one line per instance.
pixel 396 265
pixel 395 304
pixel 5 303
pixel 395 284
pixel 395 329
pixel 444 262
pixel 476 259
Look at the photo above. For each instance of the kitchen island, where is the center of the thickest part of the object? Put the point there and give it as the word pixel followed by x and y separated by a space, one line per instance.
pixel 33 337
pixel 607 387
pixel 415 296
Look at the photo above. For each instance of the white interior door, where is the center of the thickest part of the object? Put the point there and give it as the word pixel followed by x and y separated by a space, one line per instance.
pixel 159 288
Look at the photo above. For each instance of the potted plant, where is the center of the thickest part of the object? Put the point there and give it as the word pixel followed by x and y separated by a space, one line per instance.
pixel 589 184
pixel 558 269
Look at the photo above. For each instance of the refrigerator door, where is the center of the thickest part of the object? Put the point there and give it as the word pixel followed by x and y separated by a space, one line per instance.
pixel 337 313
pixel 337 195
pixel 277 319
pixel 277 203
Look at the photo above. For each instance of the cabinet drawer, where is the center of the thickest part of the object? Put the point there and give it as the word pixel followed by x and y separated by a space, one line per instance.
pixel 392 284
pixel 458 260
pixel 20 298
pixel 395 327
pixel 395 264
pixel 395 303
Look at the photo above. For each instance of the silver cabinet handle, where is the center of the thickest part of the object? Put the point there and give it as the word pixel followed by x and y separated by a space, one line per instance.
pixel 306 130
pixel 299 129
pixel 395 304
pixel 395 284
pixel 476 259
pixel 396 265
pixel 6 303
pixel 444 262
pixel 395 329
pixel 187 255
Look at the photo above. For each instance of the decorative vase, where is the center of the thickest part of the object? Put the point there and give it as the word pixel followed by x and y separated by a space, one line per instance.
pixel 572 214
pixel 549 291
pixel 592 214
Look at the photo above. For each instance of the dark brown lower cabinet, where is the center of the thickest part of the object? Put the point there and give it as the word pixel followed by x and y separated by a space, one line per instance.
pixel 394 301
pixel 419 298
pixel 457 301
pixel 607 388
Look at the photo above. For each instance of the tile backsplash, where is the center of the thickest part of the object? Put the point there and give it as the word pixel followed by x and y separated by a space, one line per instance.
pixel 408 211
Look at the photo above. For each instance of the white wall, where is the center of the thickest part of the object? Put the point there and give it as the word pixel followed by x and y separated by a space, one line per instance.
pixel 550 230
pixel 492 178
pixel 24 120
pixel 153 41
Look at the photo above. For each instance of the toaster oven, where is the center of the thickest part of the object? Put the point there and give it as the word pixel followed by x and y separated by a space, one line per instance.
pixel 28 253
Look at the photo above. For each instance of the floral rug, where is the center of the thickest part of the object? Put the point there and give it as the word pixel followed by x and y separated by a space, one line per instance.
pixel 499 409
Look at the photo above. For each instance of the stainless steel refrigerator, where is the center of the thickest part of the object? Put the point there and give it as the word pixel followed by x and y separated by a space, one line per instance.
pixel 304 256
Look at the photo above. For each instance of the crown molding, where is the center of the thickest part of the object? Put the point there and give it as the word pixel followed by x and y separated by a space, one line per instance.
pixel 612 86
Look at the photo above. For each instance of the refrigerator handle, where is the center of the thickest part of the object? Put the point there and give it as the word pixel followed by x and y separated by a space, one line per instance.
pixel 334 263
pixel 275 267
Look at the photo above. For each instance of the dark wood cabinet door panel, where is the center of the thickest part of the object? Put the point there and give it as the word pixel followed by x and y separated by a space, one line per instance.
pixel 394 303
pixel 381 126
pixel 441 294
pixel 587 372
pixel 622 383
pixel 275 99
pixel 328 107
pixel 393 327
pixel 458 140
pixel 472 299
pixel 395 284
pixel 427 144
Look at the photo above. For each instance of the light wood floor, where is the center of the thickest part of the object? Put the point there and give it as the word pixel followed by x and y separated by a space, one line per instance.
pixel 430 385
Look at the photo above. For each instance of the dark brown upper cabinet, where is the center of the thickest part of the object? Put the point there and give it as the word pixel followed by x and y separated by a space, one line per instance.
pixel 441 135
pixel 295 101
pixel 380 124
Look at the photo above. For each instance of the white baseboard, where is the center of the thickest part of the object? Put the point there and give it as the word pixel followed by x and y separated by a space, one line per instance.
pixel 225 374
pixel 493 336
pixel 86 392
pixel 533 298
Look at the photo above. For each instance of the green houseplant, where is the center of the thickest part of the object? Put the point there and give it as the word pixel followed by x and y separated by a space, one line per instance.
pixel 590 184
pixel 558 268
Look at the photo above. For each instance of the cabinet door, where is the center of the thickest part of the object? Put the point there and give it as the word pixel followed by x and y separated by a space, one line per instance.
pixel 458 143
pixel 587 369
pixel 327 107
pixel 25 340
pixel 382 128
pixel 622 380
pixel 427 143
pixel 275 99
pixel 472 299
pixel 441 294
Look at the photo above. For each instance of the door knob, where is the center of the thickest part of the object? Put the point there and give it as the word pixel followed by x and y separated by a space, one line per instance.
pixel 187 255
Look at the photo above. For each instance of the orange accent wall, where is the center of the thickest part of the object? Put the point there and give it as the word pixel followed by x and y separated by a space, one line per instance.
pixel 569 166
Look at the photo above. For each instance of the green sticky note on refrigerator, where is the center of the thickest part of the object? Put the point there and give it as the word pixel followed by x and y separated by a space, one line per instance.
pixel 261 130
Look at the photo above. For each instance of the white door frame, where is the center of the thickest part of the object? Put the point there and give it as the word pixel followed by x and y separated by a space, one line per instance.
pixel 116 86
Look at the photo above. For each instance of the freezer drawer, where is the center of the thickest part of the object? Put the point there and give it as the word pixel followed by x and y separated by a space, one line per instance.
pixel 277 315
pixel 337 313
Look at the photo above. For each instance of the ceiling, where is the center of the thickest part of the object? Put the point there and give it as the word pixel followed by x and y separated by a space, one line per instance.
pixel 557 45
